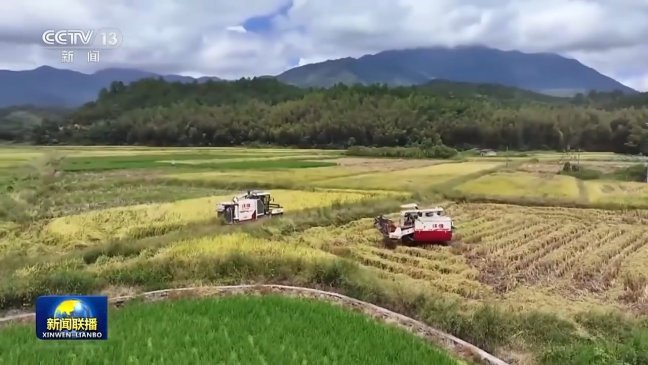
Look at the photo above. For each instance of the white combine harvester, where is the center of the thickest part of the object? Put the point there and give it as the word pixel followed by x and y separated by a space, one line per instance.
pixel 250 206
pixel 416 226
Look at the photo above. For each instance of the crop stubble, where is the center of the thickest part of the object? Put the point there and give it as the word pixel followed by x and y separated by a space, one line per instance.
pixel 505 248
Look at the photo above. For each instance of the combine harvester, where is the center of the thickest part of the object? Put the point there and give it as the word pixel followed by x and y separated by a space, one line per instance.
pixel 416 226
pixel 247 207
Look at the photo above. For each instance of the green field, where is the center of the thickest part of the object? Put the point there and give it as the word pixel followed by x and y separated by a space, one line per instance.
pixel 542 266
pixel 239 330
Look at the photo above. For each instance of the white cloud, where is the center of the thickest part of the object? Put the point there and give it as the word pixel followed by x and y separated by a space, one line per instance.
pixel 236 28
pixel 639 82
pixel 207 37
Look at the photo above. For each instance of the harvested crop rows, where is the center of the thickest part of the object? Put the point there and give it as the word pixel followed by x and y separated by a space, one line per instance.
pixel 578 247
pixel 121 221
pixel 501 248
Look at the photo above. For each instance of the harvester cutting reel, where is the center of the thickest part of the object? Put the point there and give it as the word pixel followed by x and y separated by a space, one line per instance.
pixel 387 226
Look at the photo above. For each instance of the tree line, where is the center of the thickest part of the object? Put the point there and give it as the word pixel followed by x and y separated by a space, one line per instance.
pixel 264 111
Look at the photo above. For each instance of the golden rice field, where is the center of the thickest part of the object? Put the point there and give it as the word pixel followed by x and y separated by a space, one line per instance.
pixel 521 256
pixel 106 221
pixel 216 247
pixel 624 193
pixel 563 260
pixel 154 219
pixel 535 186
pixel 245 159
pixel 415 179
pixel 523 185
pixel 501 250
pixel 238 243
pixel 284 177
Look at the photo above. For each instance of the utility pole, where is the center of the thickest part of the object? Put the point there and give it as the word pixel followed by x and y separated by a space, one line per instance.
pixel 578 153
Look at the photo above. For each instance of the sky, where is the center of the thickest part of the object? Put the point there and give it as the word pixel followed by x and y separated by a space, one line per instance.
pixel 242 38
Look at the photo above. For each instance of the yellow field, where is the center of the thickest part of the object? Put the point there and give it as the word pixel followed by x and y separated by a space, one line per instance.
pixel 558 259
pixel 523 185
pixel 101 226
pixel 245 159
pixel 9 158
pixel 218 246
pixel 151 219
pixel 622 193
pixel 503 250
pixel 414 179
pixel 289 176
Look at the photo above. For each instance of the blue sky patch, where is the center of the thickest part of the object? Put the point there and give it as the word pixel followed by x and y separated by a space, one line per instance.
pixel 263 23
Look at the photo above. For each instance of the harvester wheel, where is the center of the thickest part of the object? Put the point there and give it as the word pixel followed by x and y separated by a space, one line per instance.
pixel 408 240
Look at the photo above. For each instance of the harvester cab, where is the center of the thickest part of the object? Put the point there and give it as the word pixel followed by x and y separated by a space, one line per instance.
pixel 416 226
pixel 250 206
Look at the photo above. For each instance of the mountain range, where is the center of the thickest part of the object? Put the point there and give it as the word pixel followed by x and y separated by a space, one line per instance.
pixel 540 72
pixel 49 86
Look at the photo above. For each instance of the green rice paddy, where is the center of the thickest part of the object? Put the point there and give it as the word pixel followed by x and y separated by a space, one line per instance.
pixel 235 330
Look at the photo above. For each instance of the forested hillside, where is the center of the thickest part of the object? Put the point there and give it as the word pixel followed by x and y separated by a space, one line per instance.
pixel 17 122
pixel 265 111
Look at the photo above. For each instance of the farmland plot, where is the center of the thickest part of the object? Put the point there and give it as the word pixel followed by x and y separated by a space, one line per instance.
pixel 154 219
pixel 413 179
pixel 523 186
pixel 629 194
pixel 570 256
pixel 235 330
pixel 565 248
pixel 306 177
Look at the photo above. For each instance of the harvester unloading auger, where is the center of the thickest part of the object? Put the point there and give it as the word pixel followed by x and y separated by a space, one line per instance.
pixel 250 206
pixel 416 226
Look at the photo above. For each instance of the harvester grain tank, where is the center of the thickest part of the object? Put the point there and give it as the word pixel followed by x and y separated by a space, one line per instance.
pixel 416 226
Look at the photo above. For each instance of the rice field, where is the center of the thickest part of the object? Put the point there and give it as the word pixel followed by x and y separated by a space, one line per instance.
pixel 234 330
pixel 155 219
pixel 237 243
pixel 543 187
pixel 522 185
pixel 415 179
pixel 120 220
pixel 630 194
pixel 306 177
pixel 569 256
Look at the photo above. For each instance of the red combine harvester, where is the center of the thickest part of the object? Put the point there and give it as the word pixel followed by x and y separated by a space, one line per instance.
pixel 250 206
pixel 416 226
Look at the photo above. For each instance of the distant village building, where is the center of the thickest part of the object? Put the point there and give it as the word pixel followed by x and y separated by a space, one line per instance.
pixel 487 152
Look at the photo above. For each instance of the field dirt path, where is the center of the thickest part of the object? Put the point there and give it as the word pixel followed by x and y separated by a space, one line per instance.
pixel 446 341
